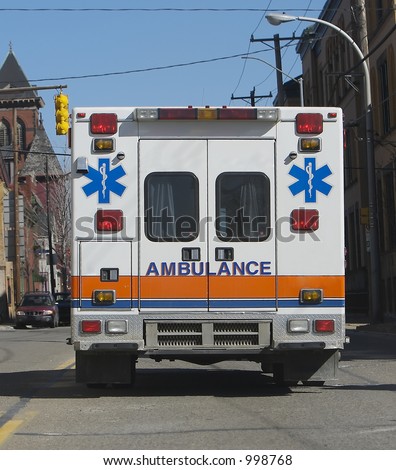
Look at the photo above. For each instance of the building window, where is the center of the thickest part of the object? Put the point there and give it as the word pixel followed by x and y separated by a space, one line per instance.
pixel 21 131
pixel 384 95
pixel 5 133
pixel 390 216
pixel 379 11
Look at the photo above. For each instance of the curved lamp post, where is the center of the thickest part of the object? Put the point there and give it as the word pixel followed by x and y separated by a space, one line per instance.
pixel 278 18
pixel 299 80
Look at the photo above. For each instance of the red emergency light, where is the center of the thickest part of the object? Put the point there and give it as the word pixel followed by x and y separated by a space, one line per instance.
pixel 103 123
pixel 177 113
pixel 304 220
pixel 309 123
pixel 237 113
pixel 110 220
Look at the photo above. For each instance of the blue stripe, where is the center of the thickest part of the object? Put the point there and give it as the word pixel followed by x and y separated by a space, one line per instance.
pixel 174 303
pixel 242 303
pixel 122 303
pixel 293 303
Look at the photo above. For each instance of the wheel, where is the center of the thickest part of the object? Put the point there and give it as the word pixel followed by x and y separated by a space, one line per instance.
pixel 19 326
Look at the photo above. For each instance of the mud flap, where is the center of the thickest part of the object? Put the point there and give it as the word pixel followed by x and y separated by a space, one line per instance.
pixel 310 366
pixel 99 368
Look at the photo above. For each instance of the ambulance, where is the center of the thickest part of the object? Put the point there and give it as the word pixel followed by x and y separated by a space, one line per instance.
pixel 208 234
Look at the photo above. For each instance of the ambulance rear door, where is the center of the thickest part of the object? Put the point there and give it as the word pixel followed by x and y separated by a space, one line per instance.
pixel 241 241
pixel 173 208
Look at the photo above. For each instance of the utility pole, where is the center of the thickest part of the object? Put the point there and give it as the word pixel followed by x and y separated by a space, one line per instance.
pixel 252 97
pixel 376 313
pixel 278 61
pixel 17 261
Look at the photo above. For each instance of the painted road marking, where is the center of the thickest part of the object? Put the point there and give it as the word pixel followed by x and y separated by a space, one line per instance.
pixel 19 417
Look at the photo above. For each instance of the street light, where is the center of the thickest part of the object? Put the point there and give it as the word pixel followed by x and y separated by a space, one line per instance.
pixel 297 80
pixel 278 18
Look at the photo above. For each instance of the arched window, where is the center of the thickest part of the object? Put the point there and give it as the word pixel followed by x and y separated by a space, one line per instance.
pixel 21 129
pixel 5 133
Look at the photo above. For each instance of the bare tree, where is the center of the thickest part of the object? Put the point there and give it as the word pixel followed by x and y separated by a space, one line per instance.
pixel 60 212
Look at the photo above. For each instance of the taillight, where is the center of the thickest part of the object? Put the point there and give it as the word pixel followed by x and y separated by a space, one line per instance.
pixel 103 123
pixel 305 220
pixel 91 326
pixel 110 220
pixel 324 326
pixel 309 123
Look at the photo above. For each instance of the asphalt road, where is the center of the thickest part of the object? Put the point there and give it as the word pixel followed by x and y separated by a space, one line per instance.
pixel 175 405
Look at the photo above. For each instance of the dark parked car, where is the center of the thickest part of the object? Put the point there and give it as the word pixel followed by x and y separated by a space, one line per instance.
pixel 37 309
pixel 63 300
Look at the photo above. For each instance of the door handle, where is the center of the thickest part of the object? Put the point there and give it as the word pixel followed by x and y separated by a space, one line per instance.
pixel 191 254
pixel 224 254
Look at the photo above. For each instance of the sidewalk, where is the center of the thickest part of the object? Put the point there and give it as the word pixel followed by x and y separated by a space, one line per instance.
pixel 361 322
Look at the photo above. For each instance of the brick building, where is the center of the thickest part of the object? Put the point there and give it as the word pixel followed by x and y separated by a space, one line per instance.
pixel 37 167
pixel 332 76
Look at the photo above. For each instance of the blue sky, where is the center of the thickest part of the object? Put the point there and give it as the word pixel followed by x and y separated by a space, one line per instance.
pixel 53 46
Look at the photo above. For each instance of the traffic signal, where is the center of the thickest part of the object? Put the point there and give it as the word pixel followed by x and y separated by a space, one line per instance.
pixel 62 114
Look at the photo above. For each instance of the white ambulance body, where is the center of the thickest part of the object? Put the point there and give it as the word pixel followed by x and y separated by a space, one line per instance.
pixel 207 234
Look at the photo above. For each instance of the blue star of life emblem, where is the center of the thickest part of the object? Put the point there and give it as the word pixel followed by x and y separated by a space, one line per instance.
pixel 310 179
pixel 104 181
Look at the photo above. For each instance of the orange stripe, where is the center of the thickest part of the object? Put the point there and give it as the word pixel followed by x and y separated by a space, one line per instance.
pixel 174 287
pixel 290 286
pixel 125 286
pixel 221 287
pixel 239 287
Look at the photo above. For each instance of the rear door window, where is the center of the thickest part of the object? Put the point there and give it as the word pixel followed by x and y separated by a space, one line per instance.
pixel 242 207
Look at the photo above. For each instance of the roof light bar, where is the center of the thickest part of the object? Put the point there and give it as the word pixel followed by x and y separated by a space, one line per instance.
pixel 206 114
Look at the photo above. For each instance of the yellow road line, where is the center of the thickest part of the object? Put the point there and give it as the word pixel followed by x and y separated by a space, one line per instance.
pixel 10 427
pixel 66 365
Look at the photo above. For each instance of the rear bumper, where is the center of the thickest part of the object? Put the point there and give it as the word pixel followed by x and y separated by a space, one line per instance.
pixel 34 320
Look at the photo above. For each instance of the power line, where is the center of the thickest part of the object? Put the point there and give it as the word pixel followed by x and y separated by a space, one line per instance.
pixel 154 10
pixel 148 69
